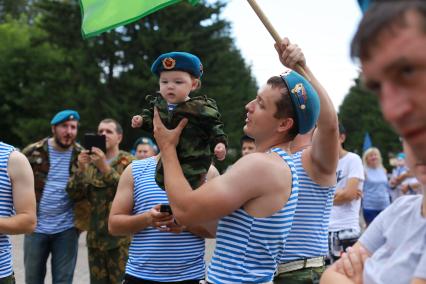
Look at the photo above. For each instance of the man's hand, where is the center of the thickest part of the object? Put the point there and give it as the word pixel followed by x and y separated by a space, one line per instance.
pixel 290 55
pixel 351 264
pixel 83 160
pixel 98 158
pixel 164 221
pixel 167 138
pixel 137 121
pixel 220 151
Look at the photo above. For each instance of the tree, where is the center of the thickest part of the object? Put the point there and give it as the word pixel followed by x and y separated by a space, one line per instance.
pixel 360 113
pixel 109 75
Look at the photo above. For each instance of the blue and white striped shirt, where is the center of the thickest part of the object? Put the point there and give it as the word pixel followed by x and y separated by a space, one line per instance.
pixel 6 209
pixel 248 249
pixel 55 213
pixel 308 235
pixel 160 256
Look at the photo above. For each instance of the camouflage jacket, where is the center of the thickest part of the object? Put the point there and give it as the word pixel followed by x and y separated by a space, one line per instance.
pixel 38 156
pixel 203 131
pixel 99 189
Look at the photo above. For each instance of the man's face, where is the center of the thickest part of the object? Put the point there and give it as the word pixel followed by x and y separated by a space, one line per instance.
pixel 396 72
pixel 248 147
pixel 112 138
pixel 144 151
pixel 65 133
pixel 175 86
pixel 260 120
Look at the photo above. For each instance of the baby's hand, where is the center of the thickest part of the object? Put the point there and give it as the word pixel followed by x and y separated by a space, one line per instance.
pixel 137 121
pixel 220 151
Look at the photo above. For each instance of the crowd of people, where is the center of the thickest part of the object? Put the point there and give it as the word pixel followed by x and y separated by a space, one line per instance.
pixel 288 211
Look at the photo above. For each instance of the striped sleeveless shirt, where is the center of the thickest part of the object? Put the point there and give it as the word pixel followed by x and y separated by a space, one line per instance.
pixel 308 235
pixel 160 256
pixel 6 209
pixel 248 249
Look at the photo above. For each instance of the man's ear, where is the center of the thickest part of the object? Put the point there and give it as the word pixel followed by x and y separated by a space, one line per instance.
pixel 285 124
pixel 120 138
pixel 53 129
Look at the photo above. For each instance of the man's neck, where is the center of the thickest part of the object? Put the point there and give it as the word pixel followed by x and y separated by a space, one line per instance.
pixel 424 202
pixel 342 152
pixel 112 153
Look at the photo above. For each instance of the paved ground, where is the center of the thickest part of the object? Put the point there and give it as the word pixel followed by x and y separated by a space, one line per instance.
pixel 81 274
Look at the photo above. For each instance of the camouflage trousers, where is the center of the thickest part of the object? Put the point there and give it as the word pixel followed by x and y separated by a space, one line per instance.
pixel 107 266
pixel 301 276
pixel 8 280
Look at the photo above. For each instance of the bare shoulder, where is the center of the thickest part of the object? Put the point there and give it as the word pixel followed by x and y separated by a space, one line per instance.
pixel 267 170
pixel 17 160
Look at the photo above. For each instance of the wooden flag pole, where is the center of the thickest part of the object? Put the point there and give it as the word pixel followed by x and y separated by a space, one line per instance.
pixel 272 31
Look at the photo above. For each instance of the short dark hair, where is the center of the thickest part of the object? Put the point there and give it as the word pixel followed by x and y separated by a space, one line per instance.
pixel 285 108
pixel 384 15
pixel 118 127
pixel 342 129
pixel 246 138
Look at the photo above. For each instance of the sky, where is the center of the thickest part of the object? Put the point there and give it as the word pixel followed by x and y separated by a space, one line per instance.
pixel 323 29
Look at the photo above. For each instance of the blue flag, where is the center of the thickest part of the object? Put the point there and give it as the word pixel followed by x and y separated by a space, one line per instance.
pixel 367 142
pixel 363 4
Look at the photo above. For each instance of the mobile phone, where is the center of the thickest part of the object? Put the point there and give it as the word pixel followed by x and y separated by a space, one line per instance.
pixel 94 140
pixel 166 208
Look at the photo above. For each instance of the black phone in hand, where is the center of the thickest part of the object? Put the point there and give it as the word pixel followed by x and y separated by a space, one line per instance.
pixel 166 208
pixel 94 140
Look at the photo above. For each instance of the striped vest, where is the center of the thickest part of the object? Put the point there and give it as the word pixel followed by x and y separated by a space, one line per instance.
pixel 6 210
pixel 160 256
pixel 308 235
pixel 248 249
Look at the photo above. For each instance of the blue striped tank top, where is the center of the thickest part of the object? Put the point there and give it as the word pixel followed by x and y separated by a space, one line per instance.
pixel 248 249
pixel 55 213
pixel 6 209
pixel 308 235
pixel 160 256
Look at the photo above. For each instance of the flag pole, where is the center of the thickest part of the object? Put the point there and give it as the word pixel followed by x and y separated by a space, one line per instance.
pixel 272 31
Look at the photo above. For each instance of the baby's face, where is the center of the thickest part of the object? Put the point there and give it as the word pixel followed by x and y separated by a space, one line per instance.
pixel 175 86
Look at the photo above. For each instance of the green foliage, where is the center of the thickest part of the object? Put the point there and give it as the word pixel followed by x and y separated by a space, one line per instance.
pixel 46 66
pixel 360 113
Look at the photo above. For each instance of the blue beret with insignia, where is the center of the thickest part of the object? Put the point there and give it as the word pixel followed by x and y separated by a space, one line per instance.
pixel 65 115
pixel 178 61
pixel 304 98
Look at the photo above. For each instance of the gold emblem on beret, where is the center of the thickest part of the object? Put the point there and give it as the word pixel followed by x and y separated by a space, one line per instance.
pixel 300 93
pixel 169 63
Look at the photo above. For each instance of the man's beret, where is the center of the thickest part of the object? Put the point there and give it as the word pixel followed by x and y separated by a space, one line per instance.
pixel 178 61
pixel 304 98
pixel 65 115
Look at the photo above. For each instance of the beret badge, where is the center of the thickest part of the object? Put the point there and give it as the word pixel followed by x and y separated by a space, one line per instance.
pixel 300 92
pixel 169 63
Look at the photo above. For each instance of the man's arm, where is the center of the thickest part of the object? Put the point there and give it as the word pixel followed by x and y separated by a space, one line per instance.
pixel 349 193
pixel 324 153
pixel 238 187
pixel 22 180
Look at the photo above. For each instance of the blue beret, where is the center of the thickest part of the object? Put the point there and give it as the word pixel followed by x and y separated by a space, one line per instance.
pixel 400 156
pixel 178 61
pixel 304 98
pixel 143 141
pixel 65 115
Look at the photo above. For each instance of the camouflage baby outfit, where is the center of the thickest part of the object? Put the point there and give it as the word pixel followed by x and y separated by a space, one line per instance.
pixel 198 139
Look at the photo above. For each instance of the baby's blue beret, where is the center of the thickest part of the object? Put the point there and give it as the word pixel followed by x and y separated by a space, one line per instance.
pixel 65 115
pixel 304 98
pixel 178 61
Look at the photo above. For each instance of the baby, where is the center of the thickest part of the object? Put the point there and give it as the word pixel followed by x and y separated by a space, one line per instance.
pixel 179 74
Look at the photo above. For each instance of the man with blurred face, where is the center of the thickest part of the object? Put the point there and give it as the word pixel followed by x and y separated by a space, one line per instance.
pixel 391 43
pixel 53 160
pixel 96 181
pixel 144 148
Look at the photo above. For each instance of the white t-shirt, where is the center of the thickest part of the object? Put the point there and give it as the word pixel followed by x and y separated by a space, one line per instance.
pixel 397 240
pixel 346 216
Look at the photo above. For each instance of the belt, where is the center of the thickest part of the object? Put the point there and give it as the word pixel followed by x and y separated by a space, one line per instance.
pixel 300 264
